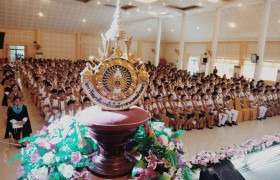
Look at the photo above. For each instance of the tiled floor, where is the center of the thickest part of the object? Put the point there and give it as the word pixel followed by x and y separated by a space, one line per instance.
pixel 195 140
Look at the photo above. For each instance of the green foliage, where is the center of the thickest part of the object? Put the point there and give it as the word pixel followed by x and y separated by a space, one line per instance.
pixel 186 174
pixel 171 156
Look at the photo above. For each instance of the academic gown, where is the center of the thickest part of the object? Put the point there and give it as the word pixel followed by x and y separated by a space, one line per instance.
pixel 5 97
pixel 26 129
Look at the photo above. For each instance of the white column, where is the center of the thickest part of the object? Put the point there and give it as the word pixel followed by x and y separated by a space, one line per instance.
pixel 214 45
pixel 262 40
pixel 182 42
pixel 158 42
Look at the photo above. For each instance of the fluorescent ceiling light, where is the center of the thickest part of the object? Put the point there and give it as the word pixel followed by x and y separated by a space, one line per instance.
pixel 146 1
pixel 40 14
pixel 232 24
pixel 214 1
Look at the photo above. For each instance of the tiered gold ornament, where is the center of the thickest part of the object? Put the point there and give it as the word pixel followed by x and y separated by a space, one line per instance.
pixel 119 80
pixel 116 83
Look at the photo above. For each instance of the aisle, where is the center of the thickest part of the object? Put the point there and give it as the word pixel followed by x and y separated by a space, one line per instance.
pixel 8 172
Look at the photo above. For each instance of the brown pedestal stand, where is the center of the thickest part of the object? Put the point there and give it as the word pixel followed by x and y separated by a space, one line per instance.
pixel 112 130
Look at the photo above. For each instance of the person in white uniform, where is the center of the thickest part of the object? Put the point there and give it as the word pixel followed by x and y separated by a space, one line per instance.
pixel 234 113
pixel 222 116
pixel 254 104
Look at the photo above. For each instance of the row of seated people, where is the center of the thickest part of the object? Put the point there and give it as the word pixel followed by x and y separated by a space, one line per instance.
pixel 187 102
pixel 43 76
pixel 55 86
pixel 12 88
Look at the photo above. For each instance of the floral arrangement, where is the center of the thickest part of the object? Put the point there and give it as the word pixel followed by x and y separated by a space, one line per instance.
pixel 206 158
pixel 57 152
pixel 162 154
pixel 63 149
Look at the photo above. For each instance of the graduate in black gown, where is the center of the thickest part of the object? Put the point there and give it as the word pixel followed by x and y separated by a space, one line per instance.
pixel 17 121
pixel 7 90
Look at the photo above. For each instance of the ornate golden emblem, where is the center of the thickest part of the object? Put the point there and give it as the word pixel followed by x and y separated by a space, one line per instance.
pixel 119 80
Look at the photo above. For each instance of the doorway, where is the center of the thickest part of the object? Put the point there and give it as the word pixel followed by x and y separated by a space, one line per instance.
pixel 16 52
pixel 193 66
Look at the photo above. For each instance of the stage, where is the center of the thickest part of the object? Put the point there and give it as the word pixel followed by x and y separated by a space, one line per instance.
pixel 260 165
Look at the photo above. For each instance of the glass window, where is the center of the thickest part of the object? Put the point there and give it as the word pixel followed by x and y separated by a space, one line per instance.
pixel 248 69
pixel 226 66
pixel 16 52
pixel 193 67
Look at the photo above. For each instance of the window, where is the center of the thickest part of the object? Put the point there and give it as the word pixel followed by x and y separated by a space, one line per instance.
pixel 248 69
pixel 193 65
pixel 269 71
pixel 16 52
pixel 226 66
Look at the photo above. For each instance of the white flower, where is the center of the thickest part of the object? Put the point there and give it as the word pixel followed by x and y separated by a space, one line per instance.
pixel 168 131
pixel 43 173
pixel 51 128
pixel 171 146
pixel 158 126
pixel 39 173
pixel 66 170
pixel 55 140
pixel 164 140
pixel 48 158
pixel 184 158
pixel 66 121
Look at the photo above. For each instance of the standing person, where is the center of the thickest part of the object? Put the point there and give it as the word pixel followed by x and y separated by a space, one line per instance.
pixel 18 121
pixel 7 90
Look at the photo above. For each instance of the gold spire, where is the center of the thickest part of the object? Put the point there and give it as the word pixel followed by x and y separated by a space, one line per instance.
pixel 116 31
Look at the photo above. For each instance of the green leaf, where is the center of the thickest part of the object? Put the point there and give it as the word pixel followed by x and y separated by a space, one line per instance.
pixel 178 134
pixel 18 156
pixel 162 177
pixel 186 174
pixel 171 156
pixel 141 164
pixel 134 172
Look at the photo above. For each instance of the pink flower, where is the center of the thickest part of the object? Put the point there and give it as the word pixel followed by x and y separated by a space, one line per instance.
pixel 152 160
pixel 44 143
pixel 76 157
pixel 20 172
pixel 148 173
pixel 81 176
pixel 43 131
pixel 35 157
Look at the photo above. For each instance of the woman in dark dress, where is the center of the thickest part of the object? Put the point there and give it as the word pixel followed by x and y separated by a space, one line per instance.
pixel 7 90
pixel 17 121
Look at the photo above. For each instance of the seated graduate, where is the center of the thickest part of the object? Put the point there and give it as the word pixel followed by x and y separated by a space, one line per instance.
pixel 17 121
pixel 159 111
pixel 148 106
pixel 15 92
pixel 254 103
pixel 71 109
pixel 86 103
pixel 199 111
pixel 172 111
pixel 187 112
pixel 208 111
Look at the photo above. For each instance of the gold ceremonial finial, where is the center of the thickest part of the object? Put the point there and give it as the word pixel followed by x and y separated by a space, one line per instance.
pixel 116 31
pixel 119 80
